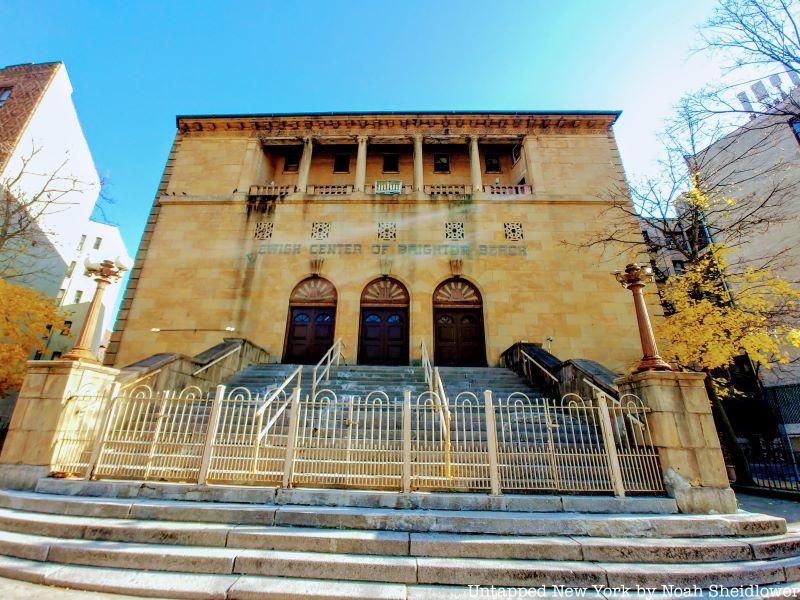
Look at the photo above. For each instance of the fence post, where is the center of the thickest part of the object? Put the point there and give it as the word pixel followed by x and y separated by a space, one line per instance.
pixel 491 442
pixel 406 441
pixel 102 429
pixel 611 446
pixel 162 409
pixel 211 434
pixel 291 439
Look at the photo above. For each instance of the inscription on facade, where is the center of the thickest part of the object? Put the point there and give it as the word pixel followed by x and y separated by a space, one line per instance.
pixel 388 249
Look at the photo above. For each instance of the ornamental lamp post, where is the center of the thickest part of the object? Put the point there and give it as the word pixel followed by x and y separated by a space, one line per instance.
pixel 634 278
pixel 105 273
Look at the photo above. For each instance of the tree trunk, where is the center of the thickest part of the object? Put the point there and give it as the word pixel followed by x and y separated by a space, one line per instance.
pixel 728 436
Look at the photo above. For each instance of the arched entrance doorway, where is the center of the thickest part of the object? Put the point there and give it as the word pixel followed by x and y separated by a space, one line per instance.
pixel 383 330
pixel 312 320
pixel 458 338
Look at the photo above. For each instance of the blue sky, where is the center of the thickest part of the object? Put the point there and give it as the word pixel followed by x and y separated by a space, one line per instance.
pixel 135 65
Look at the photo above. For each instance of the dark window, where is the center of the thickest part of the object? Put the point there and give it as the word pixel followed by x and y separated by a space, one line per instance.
pixel 516 152
pixel 38 355
pixel 493 163
pixel 67 328
pixel 393 319
pixel 391 162
pixel 373 319
pixel 4 94
pixel 441 162
pixel 302 318
pixel 291 163
pixel 78 296
pixel 56 355
pixel 795 124
pixel 341 163
pixel 679 266
pixel 324 318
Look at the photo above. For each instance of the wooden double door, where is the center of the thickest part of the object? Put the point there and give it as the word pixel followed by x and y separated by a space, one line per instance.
pixel 383 336
pixel 458 337
pixel 310 334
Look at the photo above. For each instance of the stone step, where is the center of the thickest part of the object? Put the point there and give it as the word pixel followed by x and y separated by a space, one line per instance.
pixel 391 569
pixel 528 503
pixel 669 550
pixel 405 520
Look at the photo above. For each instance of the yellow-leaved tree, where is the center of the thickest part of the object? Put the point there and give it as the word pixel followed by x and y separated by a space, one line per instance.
pixel 24 316
pixel 718 313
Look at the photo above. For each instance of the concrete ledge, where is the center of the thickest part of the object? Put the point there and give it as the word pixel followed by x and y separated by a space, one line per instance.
pixel 231 494
pixel 21 477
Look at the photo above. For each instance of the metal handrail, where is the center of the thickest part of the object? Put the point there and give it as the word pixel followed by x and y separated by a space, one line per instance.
pixel 298 372
pixel 529 358
pixel 427 366
pixel 614 400
pixel 216 360
pixel 138 379
pixel 335 352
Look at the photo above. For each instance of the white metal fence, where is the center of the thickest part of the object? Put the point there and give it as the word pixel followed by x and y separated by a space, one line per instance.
pixel 470 443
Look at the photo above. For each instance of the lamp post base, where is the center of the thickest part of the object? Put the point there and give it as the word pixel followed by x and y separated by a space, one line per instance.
pixel 652 363
pixel 81 354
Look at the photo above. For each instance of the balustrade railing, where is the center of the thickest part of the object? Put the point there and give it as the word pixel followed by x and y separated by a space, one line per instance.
pixel 516 443
pixel 508 190
pixel 334 355
pixel 272 191
pixel 448 189
pixel 330 190
pixel 388 187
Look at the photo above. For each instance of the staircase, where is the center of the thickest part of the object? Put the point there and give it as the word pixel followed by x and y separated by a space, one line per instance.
pixel 124 537
pixel 360 380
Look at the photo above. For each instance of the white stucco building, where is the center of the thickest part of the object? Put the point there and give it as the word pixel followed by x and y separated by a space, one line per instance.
pixel 41 138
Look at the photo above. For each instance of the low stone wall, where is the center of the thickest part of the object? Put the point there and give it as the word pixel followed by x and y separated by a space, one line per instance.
pixel 173 371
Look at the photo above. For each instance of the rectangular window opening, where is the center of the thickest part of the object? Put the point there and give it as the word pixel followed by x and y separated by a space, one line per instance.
pixel 97 242
pixel 5 92
pixel 291 162
pixel 71 268
pixel 341 163
pixel 441 162
pixel 81 243
pixel 493 163
pixel 516 152
pixel 78 296
pixel 391 162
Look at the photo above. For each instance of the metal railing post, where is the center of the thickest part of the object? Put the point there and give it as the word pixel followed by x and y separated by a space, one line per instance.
pixel 162 409
pixel 611 447
pixel 314 383
pixel 102 429
pixel 406 441
pixel 291 439
pixel 491 442
pixel 211 434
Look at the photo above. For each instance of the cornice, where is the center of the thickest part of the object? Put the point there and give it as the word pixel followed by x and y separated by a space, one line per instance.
pixel 400 125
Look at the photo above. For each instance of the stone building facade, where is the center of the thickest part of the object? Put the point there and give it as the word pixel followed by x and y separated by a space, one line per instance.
pixel 386 230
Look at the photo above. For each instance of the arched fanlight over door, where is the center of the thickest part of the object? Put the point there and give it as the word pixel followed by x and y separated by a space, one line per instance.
pixel 459 338
pixel 384 326
pixel 312 321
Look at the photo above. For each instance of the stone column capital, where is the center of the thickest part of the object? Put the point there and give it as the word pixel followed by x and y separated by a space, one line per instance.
pixel 363 139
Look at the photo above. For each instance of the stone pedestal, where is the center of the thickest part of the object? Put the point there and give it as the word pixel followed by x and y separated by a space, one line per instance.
pixel 37 419
pixel 686 438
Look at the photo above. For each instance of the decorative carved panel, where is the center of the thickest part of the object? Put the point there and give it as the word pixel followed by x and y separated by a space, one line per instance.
pixel 385 292
pixel 457 293
pixel 314 291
